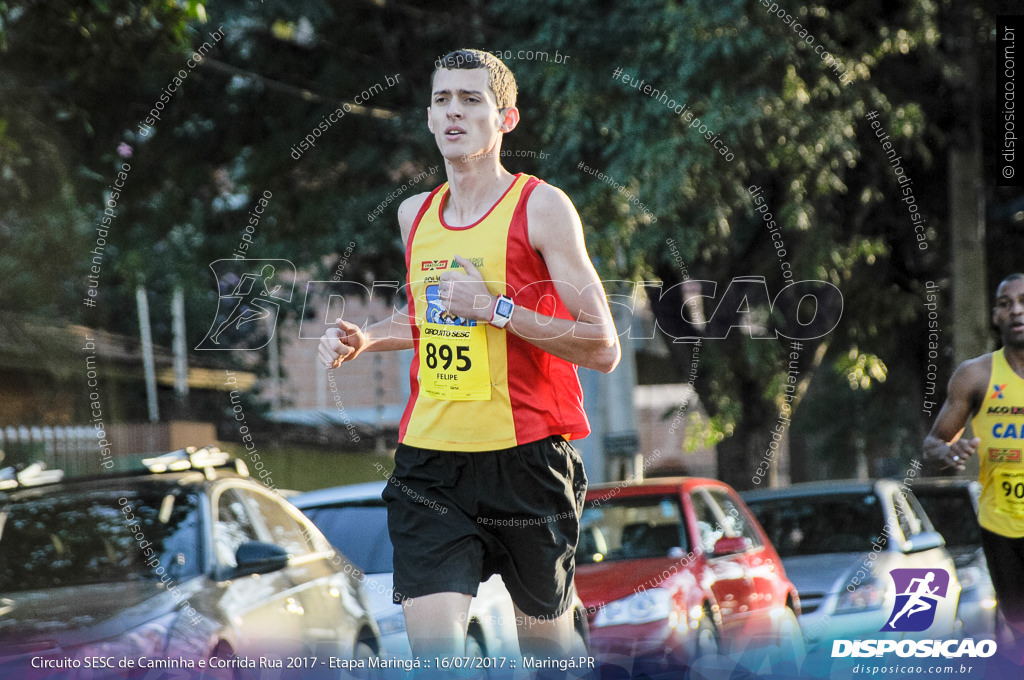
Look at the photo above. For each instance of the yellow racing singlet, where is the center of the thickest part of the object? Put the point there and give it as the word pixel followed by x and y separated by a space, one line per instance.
pixel 475 387
pixel 999 424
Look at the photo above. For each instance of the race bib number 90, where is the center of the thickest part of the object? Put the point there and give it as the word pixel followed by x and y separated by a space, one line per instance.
pixel 453 362
pixel 1010 494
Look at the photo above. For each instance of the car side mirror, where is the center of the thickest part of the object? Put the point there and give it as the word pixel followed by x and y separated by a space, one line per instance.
pixel 257 557
pixel 731 545
pixel 927 540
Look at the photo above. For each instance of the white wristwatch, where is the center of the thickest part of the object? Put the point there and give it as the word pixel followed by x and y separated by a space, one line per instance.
pixel 502 314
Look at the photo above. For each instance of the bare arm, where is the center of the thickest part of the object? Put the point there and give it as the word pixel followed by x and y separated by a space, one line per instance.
pixel 589 338
pixel 964 394
pixel 347 341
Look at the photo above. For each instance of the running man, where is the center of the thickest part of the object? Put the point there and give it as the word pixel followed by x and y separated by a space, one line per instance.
pixel 989 390
pixel 245 309
pixel 504 304
pixel 914 603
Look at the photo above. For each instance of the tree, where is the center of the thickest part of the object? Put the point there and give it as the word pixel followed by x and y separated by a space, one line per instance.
pixel 796 126
pixel 679 200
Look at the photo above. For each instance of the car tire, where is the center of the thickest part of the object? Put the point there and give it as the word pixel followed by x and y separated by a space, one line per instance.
pixel 705 638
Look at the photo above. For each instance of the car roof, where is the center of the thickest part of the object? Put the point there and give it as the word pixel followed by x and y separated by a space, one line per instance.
pixel 945 483
pixel 113 481
pixel 349 493
pixel 821 488
pixel 655 485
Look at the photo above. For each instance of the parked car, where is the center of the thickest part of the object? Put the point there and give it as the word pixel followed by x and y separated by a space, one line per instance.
pixel 189 560
pixel 827 533
pixel 354 519
pixel 952 506
pixel 677 568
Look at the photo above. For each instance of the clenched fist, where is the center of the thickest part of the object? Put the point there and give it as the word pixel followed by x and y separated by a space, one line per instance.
pixel 341 344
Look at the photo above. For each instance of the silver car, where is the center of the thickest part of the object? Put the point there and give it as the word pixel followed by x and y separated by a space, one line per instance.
pixel 186 563
pixel 354 519
pixel 839 541
pixel 952 504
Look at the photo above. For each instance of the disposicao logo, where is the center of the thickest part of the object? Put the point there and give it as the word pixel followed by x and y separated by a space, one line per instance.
pixel 918 593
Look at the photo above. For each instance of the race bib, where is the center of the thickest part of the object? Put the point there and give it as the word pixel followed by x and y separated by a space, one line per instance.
pixel 1010 494
pixel 453 362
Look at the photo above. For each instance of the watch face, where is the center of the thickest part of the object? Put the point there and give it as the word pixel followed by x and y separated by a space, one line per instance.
pixel 504 308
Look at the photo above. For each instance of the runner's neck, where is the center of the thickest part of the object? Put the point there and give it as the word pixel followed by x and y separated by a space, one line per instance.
pixel 1015 357
pixel 473 191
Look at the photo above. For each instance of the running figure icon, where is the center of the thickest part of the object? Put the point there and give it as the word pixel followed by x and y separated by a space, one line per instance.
pixel 916 602
pixel 245 310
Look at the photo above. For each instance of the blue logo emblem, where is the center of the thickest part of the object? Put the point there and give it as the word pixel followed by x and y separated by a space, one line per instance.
pixel 436 313
pixel 918 592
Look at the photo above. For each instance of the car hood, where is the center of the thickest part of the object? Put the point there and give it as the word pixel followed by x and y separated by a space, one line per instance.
pixel 823 573
pixel 65 613
pixel 604 582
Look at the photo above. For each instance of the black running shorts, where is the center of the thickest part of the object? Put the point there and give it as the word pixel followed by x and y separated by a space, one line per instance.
pixel 456 518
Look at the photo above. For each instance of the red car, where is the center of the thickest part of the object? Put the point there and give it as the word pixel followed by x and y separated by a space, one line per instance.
pixel 676 568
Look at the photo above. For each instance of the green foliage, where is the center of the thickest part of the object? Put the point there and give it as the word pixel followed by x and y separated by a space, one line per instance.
pixel 796 129
pixel 79 80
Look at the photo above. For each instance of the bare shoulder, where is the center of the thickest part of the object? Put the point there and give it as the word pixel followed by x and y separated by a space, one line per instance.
pixel 970 378
pixel 552 217
pixel 549 200
pixel 408 211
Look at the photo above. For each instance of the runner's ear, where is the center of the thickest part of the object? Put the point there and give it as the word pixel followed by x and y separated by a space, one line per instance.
pixel 510 119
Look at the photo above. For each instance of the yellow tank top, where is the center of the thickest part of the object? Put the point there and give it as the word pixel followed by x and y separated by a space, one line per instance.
pixel 999 424
pixel 475 387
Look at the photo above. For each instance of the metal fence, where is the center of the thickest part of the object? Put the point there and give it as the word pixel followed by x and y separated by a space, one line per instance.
pixel 81 449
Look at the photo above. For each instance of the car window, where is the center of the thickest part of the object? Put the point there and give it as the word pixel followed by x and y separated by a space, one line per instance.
pixel 232 527
pixel 283 529
pixel 709 524
pixel 735 520
pixel 631 527
pixel 359 531
pixel 909 518
pixel 952 512
pixel 815 524
pixel 99 536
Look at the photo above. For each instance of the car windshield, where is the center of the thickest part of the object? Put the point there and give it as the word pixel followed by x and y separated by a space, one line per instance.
pixel 812 525
pixel 85 537
pixel 359 531
pixel 630 528
pixel 952 514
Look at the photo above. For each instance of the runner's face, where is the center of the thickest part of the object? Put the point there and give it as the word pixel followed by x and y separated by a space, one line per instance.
pixel 1008 314
pixel 463 114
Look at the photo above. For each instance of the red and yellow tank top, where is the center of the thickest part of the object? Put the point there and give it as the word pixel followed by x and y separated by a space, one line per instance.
pixel 999 424
pixel 475 387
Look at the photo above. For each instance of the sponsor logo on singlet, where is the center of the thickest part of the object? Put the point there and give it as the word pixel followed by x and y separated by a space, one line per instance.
pixel 1004 455
pixel 1006 410
pixel 433 265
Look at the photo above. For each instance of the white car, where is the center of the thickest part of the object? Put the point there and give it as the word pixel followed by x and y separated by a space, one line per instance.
pixel 354 520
